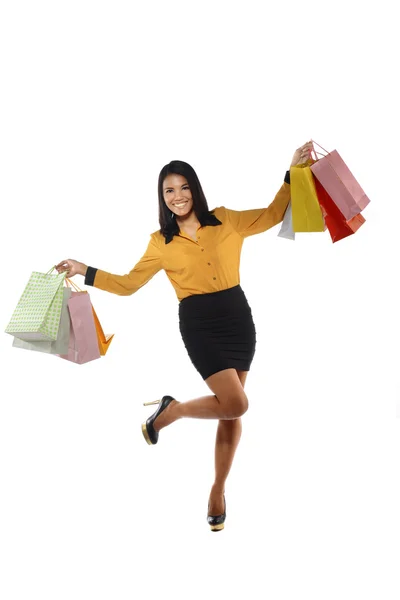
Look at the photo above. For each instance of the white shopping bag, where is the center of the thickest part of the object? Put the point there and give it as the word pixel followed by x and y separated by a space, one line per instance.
pixel 286 230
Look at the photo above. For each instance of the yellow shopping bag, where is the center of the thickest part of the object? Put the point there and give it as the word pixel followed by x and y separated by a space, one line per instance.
pixel 306 210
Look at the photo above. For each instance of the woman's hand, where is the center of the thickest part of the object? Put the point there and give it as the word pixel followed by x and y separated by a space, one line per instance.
pixel 302 154
pixel 72 267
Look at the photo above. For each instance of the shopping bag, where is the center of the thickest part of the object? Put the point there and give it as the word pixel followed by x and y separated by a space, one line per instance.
pixel 104 340
pixel 286 230
pixel 341 185
pixel 338 227
pixel 38 312
pixel 83 344
pixel 306 210
pixel 60 345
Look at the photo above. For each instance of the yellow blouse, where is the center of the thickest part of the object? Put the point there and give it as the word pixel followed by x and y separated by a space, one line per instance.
pixel 209 264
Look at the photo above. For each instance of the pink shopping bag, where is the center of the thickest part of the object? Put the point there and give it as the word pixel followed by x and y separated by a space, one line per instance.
pixel 341 185
pixel 83 343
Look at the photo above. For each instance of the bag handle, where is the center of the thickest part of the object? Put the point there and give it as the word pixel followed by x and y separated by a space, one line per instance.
pixel 320 153
pixel 52 269
pixel 314 142
pixel 69 282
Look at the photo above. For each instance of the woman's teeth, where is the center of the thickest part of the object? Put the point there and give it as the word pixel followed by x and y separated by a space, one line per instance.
pixel 180 205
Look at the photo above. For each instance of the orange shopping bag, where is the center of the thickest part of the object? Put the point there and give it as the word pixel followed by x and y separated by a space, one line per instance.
pixel 104 340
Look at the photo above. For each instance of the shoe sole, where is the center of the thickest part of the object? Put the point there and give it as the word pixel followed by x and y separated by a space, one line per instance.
pixel 146 435
pixel 217 527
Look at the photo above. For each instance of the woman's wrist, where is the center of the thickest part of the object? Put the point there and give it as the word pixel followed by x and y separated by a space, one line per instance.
pixel 83 269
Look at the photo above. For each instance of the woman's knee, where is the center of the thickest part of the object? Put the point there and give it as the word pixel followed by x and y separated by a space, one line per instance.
pixel 236 405
pixel 229 392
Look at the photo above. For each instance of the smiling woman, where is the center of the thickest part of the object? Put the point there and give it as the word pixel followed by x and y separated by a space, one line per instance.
pixel 200 252
pixel 178 198
pixel 182 203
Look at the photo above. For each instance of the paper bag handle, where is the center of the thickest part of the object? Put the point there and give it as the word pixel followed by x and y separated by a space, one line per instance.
pixel 52 269
pixel 69 282
pixel 320 153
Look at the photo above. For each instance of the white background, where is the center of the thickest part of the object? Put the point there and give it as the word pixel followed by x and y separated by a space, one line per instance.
pixel 96 97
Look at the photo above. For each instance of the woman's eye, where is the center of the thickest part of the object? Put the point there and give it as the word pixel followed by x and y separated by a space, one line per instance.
pixel 186 187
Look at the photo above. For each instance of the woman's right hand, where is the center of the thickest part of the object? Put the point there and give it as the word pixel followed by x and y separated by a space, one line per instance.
pixel 72 267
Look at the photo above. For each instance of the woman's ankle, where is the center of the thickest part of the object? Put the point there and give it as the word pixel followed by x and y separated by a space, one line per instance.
pixel 218 487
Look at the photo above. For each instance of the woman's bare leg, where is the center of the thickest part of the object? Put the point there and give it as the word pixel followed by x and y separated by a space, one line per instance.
pixel 228 402
pixel 228 437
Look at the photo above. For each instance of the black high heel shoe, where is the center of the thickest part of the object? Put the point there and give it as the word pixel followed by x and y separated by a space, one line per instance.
pixel 150 434
pixel 217 522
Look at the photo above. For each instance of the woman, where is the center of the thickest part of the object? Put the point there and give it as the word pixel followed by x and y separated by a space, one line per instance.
pixel 200 253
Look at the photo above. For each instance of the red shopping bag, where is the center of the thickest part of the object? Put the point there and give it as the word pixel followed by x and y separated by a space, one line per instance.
pixel 339 182
pixel 337 226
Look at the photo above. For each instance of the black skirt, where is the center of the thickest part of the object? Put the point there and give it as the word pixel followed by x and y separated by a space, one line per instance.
pixel 218 331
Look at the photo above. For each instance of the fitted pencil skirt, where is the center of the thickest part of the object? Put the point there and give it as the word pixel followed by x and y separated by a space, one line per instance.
pixel 218 331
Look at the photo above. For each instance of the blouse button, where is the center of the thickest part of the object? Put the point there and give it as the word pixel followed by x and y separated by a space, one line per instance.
pixel 209 263
pixel 214 278
pixel 202 249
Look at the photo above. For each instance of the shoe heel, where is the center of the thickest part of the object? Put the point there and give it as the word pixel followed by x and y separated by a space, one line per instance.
pixel 148 403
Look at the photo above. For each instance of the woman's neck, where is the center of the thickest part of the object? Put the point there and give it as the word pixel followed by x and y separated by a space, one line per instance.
pixel 189 222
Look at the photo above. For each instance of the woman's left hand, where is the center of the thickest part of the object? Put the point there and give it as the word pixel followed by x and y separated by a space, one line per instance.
pixel 302 154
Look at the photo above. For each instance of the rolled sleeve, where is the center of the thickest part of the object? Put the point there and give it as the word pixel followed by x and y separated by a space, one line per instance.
pixel 90 275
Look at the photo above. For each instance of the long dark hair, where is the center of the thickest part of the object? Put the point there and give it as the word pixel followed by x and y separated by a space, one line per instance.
pixel 168 225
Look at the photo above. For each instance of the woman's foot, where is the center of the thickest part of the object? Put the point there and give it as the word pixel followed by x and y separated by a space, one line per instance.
pixel 216 505
pixel 166 417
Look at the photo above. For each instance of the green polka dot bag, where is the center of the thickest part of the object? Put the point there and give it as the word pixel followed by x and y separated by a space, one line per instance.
pixel 38 312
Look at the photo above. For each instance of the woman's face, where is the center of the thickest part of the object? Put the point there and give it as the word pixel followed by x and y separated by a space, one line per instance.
pixel 177 195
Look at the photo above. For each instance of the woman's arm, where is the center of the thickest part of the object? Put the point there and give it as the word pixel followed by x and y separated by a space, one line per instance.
pixel 126 285
pixel 257 220
pixel 250 222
